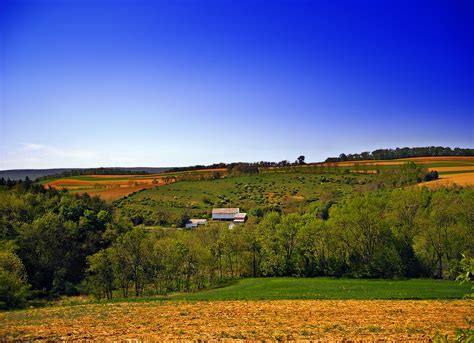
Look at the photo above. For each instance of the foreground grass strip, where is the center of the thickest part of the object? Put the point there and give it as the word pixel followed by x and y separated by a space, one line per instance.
pixel 332 288
pixel 274 320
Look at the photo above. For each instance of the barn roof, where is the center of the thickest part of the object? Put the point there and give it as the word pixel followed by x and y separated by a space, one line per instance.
pixel 225 210
pixel 240 215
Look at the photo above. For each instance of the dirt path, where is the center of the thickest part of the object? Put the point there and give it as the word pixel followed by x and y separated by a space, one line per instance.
pixel 245 320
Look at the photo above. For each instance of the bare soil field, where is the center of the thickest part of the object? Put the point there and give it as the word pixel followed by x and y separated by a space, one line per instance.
pixel 113 193
pixel 301 320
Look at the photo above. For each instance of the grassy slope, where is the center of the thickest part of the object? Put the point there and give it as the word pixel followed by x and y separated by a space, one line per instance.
pixel 331 288
pixel 291 191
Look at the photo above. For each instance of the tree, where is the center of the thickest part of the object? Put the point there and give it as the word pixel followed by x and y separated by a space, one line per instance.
pixel 300 160
pixel 14 287
pixel 135 247
pixel 403 214
pixel 362 228
pixel 100 278
pixel 287 234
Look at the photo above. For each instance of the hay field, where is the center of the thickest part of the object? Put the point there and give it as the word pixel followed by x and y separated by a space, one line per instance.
pixel 448 180
pixel 245 320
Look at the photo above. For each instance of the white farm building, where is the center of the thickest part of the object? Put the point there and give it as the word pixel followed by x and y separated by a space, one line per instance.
pixel 229 214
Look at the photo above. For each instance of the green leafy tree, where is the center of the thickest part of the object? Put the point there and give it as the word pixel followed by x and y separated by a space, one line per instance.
pixel 100 278
pixel 14 288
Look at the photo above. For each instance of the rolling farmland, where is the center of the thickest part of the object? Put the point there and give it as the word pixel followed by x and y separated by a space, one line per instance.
pixel 452 170
pixel 111 187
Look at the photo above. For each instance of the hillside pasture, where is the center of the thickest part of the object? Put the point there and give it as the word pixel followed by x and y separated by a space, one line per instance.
pixel 286 191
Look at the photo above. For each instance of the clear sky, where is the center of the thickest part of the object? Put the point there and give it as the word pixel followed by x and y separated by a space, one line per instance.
pixel 171 83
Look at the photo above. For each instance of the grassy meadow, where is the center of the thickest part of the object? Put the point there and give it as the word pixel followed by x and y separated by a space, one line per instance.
pixel 332 289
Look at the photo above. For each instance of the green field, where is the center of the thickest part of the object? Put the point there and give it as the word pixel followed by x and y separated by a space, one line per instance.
pixel 332 288
pixel 290 192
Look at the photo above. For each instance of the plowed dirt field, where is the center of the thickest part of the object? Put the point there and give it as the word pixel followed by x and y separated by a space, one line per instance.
pixel 301 320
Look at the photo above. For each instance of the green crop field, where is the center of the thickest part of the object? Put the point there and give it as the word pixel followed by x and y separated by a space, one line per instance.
pixel 332 288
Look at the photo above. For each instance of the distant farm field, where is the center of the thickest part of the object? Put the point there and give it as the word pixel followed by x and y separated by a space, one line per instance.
pixel 460 178
pixel 393 320
pixel 112 187
pixel 108 187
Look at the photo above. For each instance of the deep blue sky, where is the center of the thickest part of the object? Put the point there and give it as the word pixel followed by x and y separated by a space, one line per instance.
pixel 169 83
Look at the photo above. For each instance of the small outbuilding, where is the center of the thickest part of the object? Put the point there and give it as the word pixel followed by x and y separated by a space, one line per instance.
pixel 240 217
pixel 192 223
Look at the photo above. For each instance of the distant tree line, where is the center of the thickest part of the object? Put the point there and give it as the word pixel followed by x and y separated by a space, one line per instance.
pixel 93 171
pixel 243 167
pixel 391 154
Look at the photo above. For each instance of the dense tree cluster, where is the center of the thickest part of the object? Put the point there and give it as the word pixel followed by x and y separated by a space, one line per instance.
pixel 252 166
pixel 51 233
pixel 55 243
pixel 389 234
pixel 391 154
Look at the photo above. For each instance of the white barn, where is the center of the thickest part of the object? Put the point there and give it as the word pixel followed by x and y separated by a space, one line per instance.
pixel 224 213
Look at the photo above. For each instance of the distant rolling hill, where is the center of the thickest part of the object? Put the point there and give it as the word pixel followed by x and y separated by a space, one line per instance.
pixel 17 174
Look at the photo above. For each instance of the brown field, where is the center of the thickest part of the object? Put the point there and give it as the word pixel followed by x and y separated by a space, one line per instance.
pixel 300 320
pixel 111 194
pixel 466 179
pixel 121 176
pixel 109 189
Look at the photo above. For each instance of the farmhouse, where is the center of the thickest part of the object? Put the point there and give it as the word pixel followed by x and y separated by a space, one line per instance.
pixel 192 223
pixel 229 214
